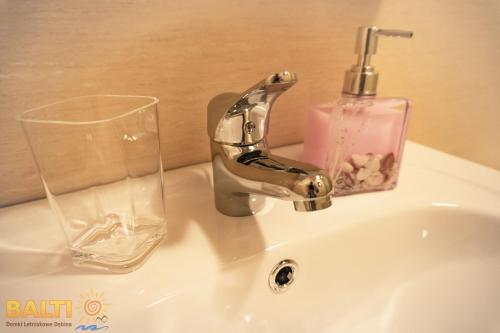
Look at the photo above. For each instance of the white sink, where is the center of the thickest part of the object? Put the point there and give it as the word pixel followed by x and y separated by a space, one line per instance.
pixel 424 257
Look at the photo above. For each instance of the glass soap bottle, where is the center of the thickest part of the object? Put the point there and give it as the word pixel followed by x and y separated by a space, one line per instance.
pixel 360 137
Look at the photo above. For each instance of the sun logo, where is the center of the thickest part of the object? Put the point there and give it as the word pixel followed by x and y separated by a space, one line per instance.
pixel 92 307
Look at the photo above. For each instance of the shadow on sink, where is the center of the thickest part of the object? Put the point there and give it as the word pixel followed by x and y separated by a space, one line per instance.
pixel 233 240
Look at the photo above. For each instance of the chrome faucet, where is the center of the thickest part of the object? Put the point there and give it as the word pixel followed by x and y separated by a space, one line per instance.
pixel 243 168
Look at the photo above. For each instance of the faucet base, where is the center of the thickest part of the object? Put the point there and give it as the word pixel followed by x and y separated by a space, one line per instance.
pixel 239 204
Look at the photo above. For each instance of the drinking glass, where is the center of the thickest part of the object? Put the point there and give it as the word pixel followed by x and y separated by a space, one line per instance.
pixel 99 161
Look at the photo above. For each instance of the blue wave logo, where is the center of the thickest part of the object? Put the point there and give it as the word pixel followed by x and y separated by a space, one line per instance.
pixel 90 328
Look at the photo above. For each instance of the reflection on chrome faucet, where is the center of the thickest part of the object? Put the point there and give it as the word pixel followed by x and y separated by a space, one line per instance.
pixel 242 164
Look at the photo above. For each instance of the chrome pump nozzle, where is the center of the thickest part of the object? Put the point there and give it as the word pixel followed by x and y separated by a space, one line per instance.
pixel 362 78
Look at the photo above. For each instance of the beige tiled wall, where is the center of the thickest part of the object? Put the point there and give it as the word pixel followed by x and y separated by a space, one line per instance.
pixel 185 52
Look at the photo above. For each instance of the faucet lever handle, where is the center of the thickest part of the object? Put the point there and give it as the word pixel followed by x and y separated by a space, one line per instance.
pixel 242 119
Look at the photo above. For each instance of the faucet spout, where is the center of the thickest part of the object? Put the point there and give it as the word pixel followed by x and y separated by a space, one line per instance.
pixel 312 205
pixel 242 164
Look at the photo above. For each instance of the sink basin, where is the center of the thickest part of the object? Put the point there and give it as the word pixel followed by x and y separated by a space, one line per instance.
pixel 424 257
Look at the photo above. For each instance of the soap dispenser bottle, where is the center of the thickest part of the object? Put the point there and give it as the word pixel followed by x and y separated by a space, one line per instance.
pixel 360 138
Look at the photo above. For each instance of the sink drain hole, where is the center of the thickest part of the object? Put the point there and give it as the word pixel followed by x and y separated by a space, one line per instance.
pixel 283 275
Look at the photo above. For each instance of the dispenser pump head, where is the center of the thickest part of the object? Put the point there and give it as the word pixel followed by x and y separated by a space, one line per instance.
pixel 362 79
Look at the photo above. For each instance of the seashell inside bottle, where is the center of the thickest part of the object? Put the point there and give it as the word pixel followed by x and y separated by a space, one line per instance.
pixel 368 143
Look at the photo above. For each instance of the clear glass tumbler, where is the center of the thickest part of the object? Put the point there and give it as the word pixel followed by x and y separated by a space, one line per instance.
pixel 99 162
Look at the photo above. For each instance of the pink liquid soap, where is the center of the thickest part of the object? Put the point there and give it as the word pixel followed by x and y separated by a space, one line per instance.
pixel 359 140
